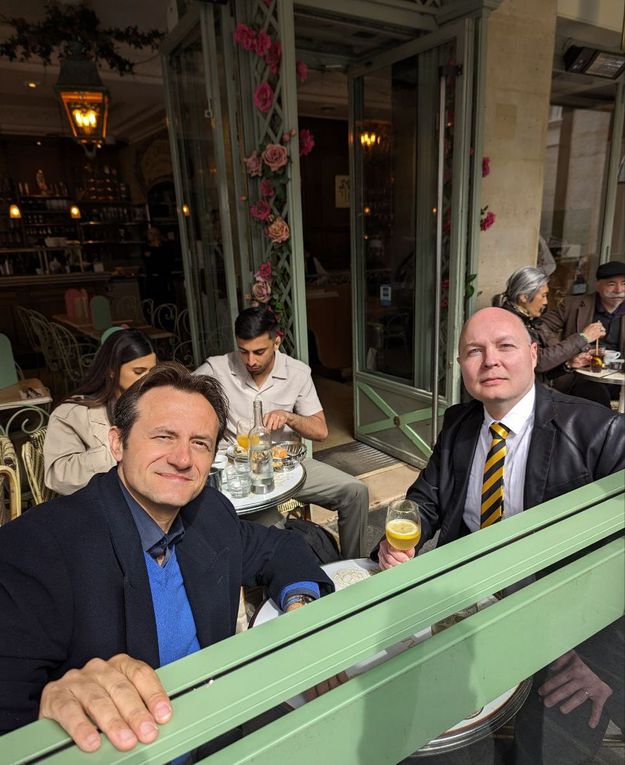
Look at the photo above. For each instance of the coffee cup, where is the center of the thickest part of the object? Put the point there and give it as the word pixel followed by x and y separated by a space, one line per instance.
pixel 610 356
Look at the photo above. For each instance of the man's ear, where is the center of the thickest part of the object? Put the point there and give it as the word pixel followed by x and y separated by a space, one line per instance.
pixel 115 443
pixel 277 341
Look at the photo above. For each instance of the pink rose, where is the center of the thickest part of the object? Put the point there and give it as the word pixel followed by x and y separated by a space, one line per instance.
pixel 263 97
pixel 266 189
pixel 485 166
pixel 260 210
pixel 301 71
pixel 264 272
pixel 487 221
pixel 253 164
pixel 273 57
pixel 245 36
pixel 261 291
pixel 278 230
pixel 262 43
pixel 275 156
pixel 306 142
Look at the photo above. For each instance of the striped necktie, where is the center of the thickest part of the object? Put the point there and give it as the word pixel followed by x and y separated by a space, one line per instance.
pixel 492 484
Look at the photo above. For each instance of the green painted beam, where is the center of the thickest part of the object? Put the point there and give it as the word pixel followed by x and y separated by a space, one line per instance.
pixel 356 622
pixel 399 706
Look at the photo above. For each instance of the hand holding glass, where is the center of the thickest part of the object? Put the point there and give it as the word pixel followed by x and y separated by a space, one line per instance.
pixel 403 524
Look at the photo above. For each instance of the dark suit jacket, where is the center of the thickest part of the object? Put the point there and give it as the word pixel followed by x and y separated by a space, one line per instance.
pixel 573 442
pixel 574 314
pixel 74 584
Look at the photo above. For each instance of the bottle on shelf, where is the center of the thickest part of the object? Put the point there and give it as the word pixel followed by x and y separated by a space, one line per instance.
pixel 259 453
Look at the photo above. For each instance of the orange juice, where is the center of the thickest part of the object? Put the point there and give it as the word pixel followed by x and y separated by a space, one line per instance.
pixel 402 534
pixel 243 440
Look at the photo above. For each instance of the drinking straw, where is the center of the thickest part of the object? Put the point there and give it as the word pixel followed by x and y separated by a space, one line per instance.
pixel 597 347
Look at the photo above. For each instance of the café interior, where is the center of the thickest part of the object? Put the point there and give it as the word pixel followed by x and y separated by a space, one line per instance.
pixel 138 210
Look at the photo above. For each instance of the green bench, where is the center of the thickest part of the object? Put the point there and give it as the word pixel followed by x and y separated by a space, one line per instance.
pixel 383 715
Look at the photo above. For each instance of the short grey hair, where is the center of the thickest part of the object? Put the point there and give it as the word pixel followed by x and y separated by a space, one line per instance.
pixel 524 281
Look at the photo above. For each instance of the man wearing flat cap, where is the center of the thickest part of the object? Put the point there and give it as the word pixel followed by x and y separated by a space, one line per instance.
pixel 606 304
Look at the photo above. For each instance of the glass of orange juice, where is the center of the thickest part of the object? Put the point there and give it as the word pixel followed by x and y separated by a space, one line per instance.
pixel 243 433
pixel 403 524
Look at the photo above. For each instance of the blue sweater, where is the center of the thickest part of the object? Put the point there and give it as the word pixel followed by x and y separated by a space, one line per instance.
pixel 175 626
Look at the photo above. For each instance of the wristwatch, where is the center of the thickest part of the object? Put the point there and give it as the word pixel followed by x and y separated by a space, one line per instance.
pixel 297 600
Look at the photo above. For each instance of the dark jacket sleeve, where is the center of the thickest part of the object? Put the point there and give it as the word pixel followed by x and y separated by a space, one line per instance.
pixel 37 618
pixel 276 558
pixel 553 352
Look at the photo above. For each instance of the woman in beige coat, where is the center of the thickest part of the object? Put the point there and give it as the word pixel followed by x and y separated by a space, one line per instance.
pixel 76 445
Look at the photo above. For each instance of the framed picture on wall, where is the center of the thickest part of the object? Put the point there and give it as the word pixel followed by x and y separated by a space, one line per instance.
pixel 341 190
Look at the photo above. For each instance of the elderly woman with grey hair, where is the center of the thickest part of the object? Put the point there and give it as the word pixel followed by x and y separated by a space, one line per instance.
pixel 526 297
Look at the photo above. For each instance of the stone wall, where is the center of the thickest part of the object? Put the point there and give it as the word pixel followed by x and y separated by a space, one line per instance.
pixel 520 47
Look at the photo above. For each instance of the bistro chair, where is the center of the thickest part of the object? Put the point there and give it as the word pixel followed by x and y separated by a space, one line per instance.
pixel 183 353
pixel 147 309
pixel 74 357
pixel 32 457
pixel 25 318
pixel 127 308
pixel 101 317
pixel 47 344
pixel 165 317
pixel 10 498
pixel 8 371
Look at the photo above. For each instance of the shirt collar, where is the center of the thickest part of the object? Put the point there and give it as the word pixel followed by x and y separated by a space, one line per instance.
pixel 153 540
pixel 518 416
pixel 279 371
pixel 600 308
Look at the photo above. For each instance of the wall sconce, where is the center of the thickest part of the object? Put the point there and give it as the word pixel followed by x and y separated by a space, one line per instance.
pixel 186 211
pixel 369 139
pixel 74 212
pixel 84 99
pixel 14 212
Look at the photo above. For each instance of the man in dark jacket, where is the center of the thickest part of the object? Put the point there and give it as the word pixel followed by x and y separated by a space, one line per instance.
pixel 548 443
pixel 141 567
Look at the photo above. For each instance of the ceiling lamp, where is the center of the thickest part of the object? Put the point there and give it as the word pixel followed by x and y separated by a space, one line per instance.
pixel 369 139
pixel 84 99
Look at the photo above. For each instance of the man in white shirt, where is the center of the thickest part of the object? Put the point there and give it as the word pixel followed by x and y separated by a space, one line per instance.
pixel 290 404
pixel 516 445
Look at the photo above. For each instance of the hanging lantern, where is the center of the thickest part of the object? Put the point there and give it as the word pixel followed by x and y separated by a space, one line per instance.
pixel 84 99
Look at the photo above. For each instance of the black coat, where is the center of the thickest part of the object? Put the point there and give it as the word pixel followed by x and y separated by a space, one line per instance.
pixel 74 584
pixel 573 442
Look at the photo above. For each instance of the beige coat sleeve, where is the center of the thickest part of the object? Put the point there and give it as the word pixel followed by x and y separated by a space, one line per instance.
pixel 76 447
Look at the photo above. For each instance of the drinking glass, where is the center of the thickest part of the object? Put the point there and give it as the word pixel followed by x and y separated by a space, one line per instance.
pixel 403 524
pixel 238 480
pixel 243 433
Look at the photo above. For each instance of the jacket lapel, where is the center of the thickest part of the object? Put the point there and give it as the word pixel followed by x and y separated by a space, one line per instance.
pixel 463 449
pixel 198 559
pixel 141 639
pixel 540 450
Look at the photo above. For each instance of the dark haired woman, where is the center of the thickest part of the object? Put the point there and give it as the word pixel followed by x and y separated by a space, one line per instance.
pixel 76 445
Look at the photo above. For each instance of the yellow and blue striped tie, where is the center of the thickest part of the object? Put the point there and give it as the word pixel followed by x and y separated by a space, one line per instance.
pixel 492 485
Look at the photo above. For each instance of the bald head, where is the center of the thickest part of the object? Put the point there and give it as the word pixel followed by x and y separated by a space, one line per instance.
pixel 497 358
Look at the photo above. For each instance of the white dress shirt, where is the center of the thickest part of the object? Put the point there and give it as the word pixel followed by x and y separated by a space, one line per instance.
pixel 520 422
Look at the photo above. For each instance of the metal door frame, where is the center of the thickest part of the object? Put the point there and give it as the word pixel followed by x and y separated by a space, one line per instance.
pixel 463 31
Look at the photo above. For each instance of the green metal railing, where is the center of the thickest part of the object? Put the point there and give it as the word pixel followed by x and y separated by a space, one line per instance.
pixel 386 713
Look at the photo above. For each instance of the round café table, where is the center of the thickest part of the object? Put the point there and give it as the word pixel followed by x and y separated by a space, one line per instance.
pixel 482 724
pixel 286 485
pixel 608 377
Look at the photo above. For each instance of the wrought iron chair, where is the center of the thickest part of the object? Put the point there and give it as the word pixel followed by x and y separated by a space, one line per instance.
pixel 41 327
pixel 183 352
pixel 75 357
pixel 10 497
pixel 165 317
pixel 25 315
pixel 32 457
pixel 127 307
pixel 147 308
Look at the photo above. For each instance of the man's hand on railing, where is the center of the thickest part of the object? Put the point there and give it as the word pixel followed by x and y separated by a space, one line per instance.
pixel 574 682
pixel 122 696
pixel 388 556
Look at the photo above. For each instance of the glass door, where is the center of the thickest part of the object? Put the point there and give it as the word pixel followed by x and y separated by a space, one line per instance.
pixel 190 63
pixel 409 154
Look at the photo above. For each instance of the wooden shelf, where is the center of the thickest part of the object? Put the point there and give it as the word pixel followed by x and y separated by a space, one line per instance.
pixel 113 241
